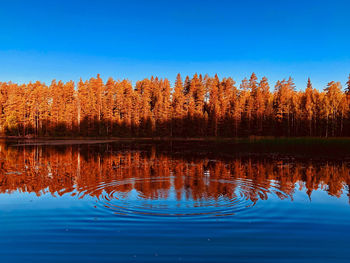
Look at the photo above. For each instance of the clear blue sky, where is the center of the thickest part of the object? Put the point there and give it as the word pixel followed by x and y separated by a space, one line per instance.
pixel 43 40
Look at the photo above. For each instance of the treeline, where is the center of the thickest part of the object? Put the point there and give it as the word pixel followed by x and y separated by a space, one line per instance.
pixel 194 107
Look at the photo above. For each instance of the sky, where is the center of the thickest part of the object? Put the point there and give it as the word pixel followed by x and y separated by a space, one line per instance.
pixel 69 40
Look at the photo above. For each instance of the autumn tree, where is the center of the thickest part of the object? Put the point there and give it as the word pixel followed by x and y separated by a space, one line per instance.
pixel 126 109
pixel 228 93
pixel 108 96
pixel 333 106
pixel 178 110
pixel 263 104
pixel 197 104
pixel 15 118
pixel 214 105
pixel 308 104
pixel 143 89
pixel 283 96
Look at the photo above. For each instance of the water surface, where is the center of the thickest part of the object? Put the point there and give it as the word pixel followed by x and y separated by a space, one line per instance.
pixel 111 203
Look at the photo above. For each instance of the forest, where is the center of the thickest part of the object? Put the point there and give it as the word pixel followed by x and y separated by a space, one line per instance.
pixel 193 107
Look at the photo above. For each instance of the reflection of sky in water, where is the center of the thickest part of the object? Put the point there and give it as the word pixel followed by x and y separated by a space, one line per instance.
pixel 115 214
pixel 321 202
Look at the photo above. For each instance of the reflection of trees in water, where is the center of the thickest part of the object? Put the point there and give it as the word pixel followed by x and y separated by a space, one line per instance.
pixel 87 172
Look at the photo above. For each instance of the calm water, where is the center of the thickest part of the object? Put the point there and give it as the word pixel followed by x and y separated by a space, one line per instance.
pixel 110 203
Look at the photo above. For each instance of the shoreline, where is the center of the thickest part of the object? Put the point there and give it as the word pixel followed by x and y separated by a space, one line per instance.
pixel 250 139
pixel 308 148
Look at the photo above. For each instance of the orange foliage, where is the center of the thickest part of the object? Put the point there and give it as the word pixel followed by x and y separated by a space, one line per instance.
pixel 197 107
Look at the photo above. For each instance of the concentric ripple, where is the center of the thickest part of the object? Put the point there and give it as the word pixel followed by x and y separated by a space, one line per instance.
pixel 195 197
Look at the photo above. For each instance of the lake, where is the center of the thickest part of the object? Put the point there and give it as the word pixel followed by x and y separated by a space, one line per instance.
pixel 112 202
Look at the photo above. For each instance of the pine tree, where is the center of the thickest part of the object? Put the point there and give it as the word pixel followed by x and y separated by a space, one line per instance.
pixel 283 103
pixel 308 104
pixel 178 107
pixel 214 106
pixel 262 103
pixel 333 99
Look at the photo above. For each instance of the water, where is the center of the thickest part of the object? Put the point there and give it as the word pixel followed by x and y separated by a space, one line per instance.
pixel 138 203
